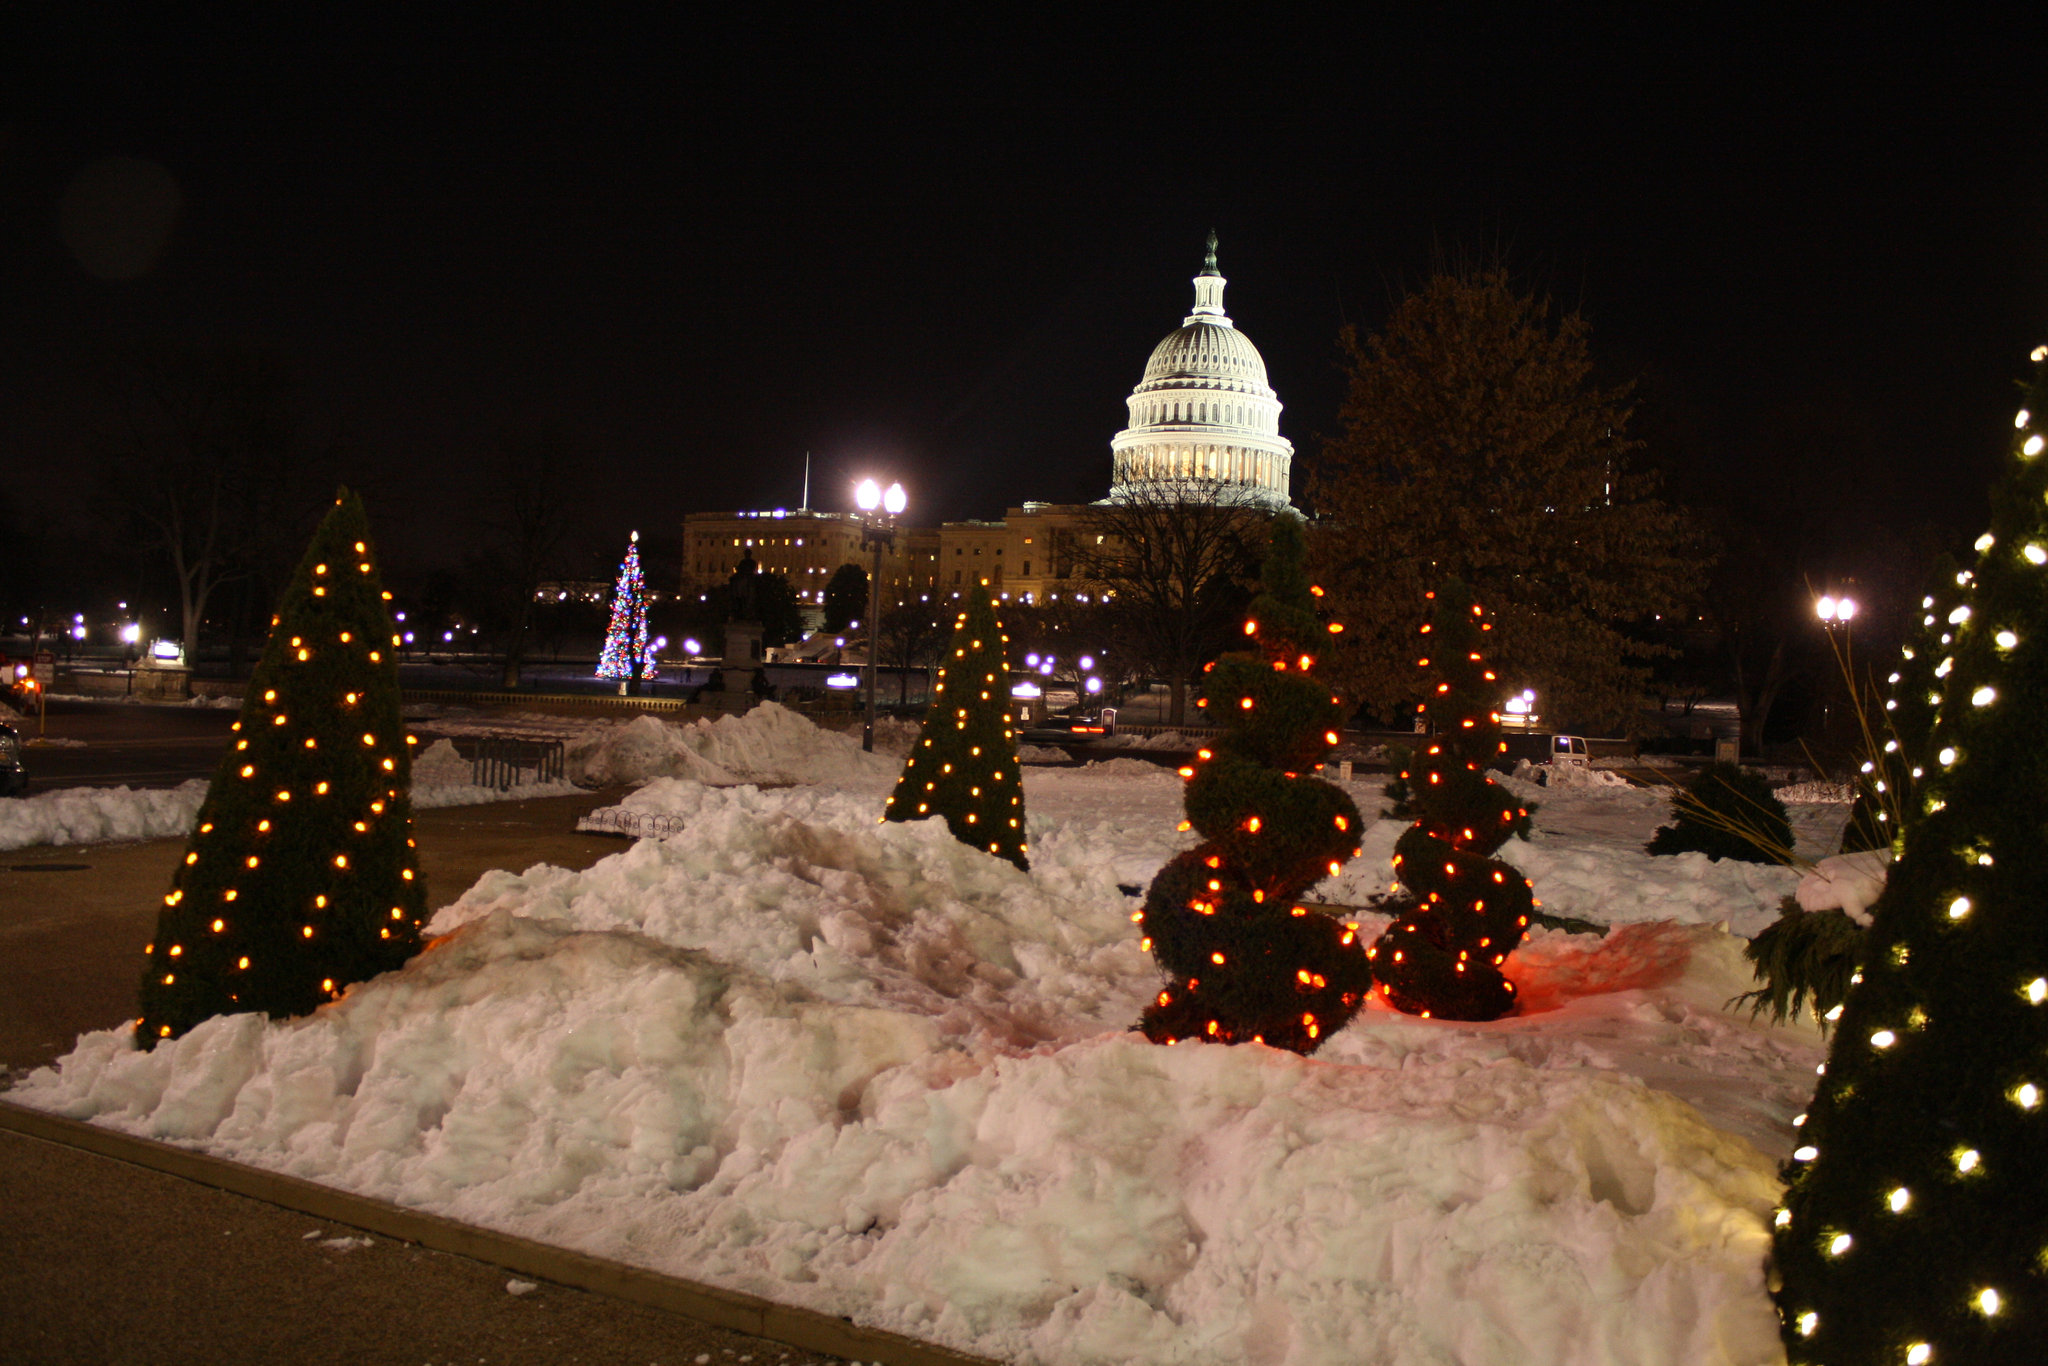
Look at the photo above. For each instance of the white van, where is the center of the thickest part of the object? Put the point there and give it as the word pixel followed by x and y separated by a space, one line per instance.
pixel 1569 751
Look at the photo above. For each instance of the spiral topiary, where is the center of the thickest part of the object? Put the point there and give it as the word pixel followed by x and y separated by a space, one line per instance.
pixel 1461 911
pixel 1246 961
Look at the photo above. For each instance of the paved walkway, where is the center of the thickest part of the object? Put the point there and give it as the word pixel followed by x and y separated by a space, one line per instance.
pixel 104 1262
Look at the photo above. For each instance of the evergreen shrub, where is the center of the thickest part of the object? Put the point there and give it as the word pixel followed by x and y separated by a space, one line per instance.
pixel 1726 812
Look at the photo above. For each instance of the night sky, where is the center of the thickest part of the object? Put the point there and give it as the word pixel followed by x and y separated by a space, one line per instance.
pixel 700 246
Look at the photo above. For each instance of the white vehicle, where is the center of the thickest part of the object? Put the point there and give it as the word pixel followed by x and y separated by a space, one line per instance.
pixel 1569 751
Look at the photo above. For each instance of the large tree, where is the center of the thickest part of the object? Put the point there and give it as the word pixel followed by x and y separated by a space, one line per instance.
pixel 846 598
pixel 1475 444
pixel 205 464
pixel 1175 560
pixel 527 510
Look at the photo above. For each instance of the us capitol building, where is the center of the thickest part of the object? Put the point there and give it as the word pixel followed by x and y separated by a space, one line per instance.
pixel 1202 418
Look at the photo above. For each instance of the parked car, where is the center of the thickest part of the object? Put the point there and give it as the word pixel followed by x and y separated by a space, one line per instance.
pixel 13 776
pixel 1056 730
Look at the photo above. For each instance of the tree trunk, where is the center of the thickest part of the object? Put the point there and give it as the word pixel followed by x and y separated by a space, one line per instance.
pixel 1177 702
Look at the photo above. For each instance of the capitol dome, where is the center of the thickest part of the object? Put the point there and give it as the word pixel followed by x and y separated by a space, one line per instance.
pixel 1204 414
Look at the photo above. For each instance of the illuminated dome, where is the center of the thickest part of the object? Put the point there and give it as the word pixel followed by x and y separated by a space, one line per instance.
pixel 1204 414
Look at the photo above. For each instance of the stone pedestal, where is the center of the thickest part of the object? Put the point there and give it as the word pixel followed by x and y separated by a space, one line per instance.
pixel 736 669
pixel 163 684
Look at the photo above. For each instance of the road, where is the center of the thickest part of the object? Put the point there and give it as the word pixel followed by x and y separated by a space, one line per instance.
pixel 104 744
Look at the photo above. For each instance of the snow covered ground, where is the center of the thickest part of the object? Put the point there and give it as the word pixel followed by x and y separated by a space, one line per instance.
pixel 105 815
pixel 861 1067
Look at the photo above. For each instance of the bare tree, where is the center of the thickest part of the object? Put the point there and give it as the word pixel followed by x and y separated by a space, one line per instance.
pixel 204 465
pixel 1174 561
pixel 911 635
pixel 533 507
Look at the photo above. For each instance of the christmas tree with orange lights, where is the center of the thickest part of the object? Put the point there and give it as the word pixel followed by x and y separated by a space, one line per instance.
pixel 1245 961
pixel 1460 911
pixel 1915 1226
pixel 963 765
pixel 301 876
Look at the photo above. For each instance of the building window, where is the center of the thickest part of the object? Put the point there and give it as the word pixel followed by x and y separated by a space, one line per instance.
pixel 956 576
pixel 1027 569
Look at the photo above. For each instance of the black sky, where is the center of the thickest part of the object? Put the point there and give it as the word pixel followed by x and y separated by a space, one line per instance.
pixel 705 244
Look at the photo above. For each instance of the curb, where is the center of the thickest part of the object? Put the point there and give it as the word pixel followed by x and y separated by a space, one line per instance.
pixel 793 1327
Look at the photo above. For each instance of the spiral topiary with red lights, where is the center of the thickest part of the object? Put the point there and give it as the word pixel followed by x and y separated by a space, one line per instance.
pixel 1247 963
pixel 1462 911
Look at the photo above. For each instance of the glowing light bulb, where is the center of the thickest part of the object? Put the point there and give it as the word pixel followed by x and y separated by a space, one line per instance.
pixel 1959 908
pixel 2027 1096
pixel 1807 1323
pixel 1782 1219
pixel 1988 1301
pixel 1839 1244
pixel 1947 755
pixel 1805 1154
pixel 2033 446
pixel 1983 697
pixel 1884 1038
pixel 1899 1199
pixel 2037 990
pixel 1968 1160
pixel 2034 553
pixel 1919 1354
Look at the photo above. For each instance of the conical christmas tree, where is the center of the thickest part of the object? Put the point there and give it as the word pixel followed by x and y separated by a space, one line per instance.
pixel 1462 910
pixel 1245 961
pixel 1916 1226
pixel 301 876
pixel 1890 778
pixel 964 764
pixel 624 655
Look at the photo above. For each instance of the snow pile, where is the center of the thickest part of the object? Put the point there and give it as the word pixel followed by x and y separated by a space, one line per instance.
pixel 769 744
pixel 107 815
pixel 99 815
pixel 1586 860
pixel 1849 883
pixel 441 777
pixel 861 1067
pixel 1172 741
pixel 1815 792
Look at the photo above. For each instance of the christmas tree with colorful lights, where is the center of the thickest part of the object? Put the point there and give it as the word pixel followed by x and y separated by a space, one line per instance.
pixel 1460 911
pixel 963 765
pixel 1245 961
pixel 625 656
pixel 301 876
pixel 1915 1226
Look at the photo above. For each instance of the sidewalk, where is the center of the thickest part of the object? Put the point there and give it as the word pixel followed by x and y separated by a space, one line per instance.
pixel 102 1261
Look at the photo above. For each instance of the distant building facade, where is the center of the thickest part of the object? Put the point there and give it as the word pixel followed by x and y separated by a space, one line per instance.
pixel 1203 422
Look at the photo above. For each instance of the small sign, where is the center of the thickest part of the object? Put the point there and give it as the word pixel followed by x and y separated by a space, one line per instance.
pixel 45 668
pixel 1727 751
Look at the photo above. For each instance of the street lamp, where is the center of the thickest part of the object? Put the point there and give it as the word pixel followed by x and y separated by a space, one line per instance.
pixel 879 511
pixel 1835 611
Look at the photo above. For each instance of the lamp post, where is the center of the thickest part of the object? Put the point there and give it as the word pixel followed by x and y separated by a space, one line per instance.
pixel 1835 614
pixel 879 511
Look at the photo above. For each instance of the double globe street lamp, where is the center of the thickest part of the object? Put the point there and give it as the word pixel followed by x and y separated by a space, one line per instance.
pixel 878 514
